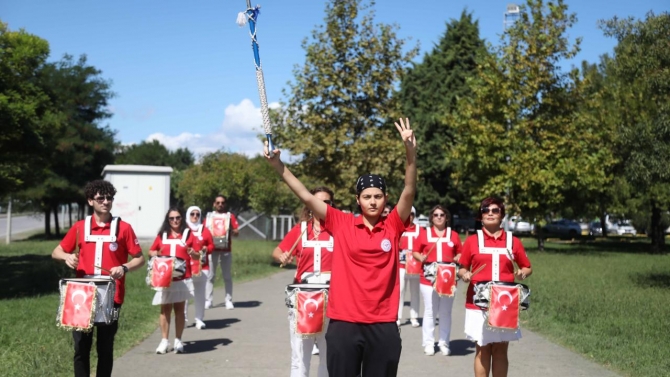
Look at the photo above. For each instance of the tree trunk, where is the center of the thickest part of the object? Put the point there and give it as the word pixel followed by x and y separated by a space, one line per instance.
pixel 69 213
pixel 47 222
pixel 540 237
pixel 657 232
pixel 55 211
pixel 603 223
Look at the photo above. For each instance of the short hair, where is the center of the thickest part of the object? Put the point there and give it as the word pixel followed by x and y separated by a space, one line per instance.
pixel 99 186
pixel 491 200
pixel 221 196
pixel 447 215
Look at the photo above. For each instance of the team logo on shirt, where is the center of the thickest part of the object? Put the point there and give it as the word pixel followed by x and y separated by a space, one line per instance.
pixel 137 242
pixel 386 245
pixel 450 244
pixel 113 246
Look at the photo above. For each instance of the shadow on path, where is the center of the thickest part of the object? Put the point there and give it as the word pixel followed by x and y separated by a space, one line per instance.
pixel 208 345
pixel 461 347
pixel 218 324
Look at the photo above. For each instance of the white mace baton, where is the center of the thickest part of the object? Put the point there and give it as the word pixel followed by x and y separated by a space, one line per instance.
pixel 251 15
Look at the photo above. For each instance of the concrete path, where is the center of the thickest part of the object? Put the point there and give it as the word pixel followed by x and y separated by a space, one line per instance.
pixel 22 224
pixel 253 340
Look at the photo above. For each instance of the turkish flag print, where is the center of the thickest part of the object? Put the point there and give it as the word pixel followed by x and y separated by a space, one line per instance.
pixel 445 280
pixel 219 228
pixel 311 312
pixel 78 306
pixel 196 266
pixel 413 266
pixel 161 272
pixel 504 307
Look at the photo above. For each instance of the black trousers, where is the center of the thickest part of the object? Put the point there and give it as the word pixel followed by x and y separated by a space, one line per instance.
pixel 368 350
pixel 104 345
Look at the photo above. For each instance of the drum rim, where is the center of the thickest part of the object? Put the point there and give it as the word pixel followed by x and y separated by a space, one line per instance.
pixel 167 256
pixel 507 283
pixel 308 285
pixel 102 279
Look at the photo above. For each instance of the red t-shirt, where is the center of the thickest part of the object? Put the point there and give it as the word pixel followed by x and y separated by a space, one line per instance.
pixel 114 254
pixel 180 251
pixel 444 251
pixel 305 254
pixel 472 259
pixel 203 240
pixel 217 229
pixel 409 241
pixel 364 286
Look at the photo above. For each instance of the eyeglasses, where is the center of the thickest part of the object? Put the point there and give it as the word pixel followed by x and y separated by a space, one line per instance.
pixel 439 215
pixel 217 203
pixel 101 199
pixel 494 211
pixel 176 218
pixel 195 214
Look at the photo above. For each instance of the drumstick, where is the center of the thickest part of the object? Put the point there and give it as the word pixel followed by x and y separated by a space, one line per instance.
pixel 432 247
pixel 104 269
pixel 294 245
pixel 516 267
pixel 475 272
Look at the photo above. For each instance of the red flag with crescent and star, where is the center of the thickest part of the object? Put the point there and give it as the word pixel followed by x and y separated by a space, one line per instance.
pixel 161 272
pixel 445 280
pixel 196 265
pixel 78 308
pixel 504 307
pixel 219 228
pixel 311 312
pixel 413 266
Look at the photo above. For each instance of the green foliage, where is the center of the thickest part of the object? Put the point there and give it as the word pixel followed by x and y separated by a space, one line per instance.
pixel 430 90
pixel 341 106
pixel 520 135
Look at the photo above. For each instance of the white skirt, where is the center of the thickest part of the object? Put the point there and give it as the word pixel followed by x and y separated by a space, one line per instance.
pixel 179 291
pixel 476 331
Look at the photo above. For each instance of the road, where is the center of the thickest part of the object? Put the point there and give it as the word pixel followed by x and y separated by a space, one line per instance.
pixel 21 224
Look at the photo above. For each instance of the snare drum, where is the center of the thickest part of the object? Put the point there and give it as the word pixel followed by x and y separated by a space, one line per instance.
pixel 292 289
pixel 482 293
pixel 413 268
pixel 307 305
pixel 430 269
pixel 102 311
pixel 179 265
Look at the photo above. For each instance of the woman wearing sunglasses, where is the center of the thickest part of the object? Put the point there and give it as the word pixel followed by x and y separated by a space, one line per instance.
pixel 174 239
pixel 442 245
pixel 487 253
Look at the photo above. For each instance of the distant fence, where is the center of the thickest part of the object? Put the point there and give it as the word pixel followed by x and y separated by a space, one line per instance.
pixel 259 226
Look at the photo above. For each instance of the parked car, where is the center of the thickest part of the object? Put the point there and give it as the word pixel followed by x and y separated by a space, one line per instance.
pixel 621 228
pixel 422 221
pixel 462 223
pixel 517 225
pixel 564 228
pixel 595 228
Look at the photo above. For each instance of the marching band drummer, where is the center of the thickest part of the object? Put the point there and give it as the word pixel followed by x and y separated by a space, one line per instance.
pixel 438 244
pixel 203 243
pixel 489 247
pixel 174 239
pixel 362 336
pixel 112 256
pixel 408 241
pixel 311 268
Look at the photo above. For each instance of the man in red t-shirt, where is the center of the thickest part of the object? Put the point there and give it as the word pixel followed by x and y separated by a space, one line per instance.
pixel 222 225
pixel 109 258
pixel 363 337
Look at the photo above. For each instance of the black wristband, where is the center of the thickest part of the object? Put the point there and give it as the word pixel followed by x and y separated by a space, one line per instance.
pixel 125 269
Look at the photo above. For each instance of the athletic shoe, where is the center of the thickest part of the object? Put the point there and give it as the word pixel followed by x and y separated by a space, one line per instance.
pixel 199 324
pixel 208 304
pixel 229 305
pixel 415 322
pixel 445 350
pixel 162 347
pixel 178 346
pixel 315 350
pixel 397 323
pixel 429 350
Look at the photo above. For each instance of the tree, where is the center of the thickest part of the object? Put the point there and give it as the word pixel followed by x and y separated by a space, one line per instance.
pixel 428 92
pixel 341 106
pixel 640 66
pixel 520 135
pixel 24 111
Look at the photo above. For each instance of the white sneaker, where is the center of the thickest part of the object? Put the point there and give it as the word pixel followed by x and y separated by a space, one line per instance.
pixel 429 350
pixel 315 350
pixel 199 324
pixel 415 322
pixel 178 346
pixel 162 347
pixel 208 304
pixel 397 323
pixel 445 350
pixel 229 305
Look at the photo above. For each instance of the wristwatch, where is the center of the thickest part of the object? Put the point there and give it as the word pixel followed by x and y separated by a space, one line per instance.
pixel 125 269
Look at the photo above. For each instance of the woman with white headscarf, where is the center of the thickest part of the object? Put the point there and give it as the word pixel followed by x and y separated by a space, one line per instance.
pixel 204 244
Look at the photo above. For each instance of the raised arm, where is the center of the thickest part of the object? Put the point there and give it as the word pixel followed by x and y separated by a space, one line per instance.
pixel 318 207
pixel 406 200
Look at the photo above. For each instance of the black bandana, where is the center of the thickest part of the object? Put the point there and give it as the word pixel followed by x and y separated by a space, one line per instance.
pixel 370 180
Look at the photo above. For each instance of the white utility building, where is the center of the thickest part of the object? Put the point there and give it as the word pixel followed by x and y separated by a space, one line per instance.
pixel 142 197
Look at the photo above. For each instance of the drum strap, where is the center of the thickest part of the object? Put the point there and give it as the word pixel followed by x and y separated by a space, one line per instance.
pixel 438 247
pixel 173 242
pixel 317 245
pixel 99 240
pixel 495 253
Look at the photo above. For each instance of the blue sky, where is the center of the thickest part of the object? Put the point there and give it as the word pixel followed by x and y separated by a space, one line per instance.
pixel 183 70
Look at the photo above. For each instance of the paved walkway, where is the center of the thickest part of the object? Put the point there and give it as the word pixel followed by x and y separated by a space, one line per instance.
pixel 253 340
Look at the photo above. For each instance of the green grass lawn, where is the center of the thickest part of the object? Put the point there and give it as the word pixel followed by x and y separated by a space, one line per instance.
pixel 34 346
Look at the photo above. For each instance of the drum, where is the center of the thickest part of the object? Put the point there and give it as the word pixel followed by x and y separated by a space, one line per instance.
pixel 413 267
pixel 179 265
pixel 482 293
pixel 311 278
pixel 307 306
pixel 430 269
pixel 292 289
pixel 86 301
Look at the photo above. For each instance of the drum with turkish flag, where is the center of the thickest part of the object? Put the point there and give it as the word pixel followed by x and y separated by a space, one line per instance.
pixel 161 272
pixel 504 307
pixel 196 265
pixel 77 309
pixel 413 267
pixel 310 307
pixel 445 280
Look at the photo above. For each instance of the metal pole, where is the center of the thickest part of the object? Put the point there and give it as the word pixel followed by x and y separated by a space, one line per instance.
pixel 8 237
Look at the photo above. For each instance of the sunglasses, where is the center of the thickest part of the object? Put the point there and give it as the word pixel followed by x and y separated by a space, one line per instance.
pixel 329 202
pixel 176 218
pixel 217 203
pixel 101 199
pixel 195 214
pixel 439 215
pixel 494 211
